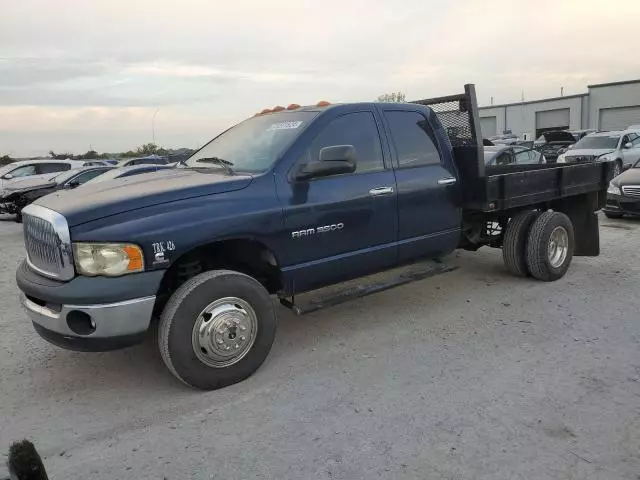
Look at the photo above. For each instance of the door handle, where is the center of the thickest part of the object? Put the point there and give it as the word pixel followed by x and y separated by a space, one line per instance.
pixel 381 191
pixel 447 181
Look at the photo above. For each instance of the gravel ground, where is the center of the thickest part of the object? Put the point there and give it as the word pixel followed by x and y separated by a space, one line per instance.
pixel 468 375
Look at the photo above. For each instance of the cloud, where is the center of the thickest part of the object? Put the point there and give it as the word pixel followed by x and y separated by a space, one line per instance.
pixel 206 62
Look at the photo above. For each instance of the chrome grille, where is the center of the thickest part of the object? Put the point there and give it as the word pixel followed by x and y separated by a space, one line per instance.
pixel 631 190
pixel 46 238
pixel 580 158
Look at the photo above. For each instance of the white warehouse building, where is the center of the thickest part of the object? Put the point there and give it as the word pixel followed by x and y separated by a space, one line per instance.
pixel 606 106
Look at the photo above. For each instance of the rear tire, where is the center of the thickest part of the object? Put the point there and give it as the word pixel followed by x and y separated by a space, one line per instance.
pixel 550 246
pixel 216 329
pixel 514 243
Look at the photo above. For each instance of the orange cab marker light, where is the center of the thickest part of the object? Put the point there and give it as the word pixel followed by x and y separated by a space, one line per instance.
pixel 135 257
pixel 322 103
pixel 277 109
pixel 265 111
pixel 293 106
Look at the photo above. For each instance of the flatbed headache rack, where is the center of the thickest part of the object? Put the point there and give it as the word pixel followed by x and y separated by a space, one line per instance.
pixel 509 187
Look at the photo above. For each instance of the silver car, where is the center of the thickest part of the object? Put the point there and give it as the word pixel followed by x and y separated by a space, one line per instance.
pixel 621 147
pixel 24 169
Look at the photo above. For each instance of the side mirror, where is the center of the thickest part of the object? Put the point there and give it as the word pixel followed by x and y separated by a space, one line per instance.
pixel 628 145
pixel 8 176
pixel 72 184
pixel 335 160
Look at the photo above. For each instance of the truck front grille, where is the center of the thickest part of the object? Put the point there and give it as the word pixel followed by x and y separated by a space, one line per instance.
pixel 46 238
pixel 631 190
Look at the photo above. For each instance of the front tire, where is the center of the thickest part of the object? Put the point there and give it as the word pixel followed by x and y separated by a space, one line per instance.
pixel 217 329
pixel 550 246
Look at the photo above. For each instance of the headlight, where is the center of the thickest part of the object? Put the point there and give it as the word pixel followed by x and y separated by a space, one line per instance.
pixel 605 158
pixel 613 189
pixel 108 259
pixel 561 158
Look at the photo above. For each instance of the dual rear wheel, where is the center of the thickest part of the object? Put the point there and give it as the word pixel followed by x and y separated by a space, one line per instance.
pixel 539 244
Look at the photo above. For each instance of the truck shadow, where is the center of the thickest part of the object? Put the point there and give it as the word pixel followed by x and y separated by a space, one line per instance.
pixel 141 368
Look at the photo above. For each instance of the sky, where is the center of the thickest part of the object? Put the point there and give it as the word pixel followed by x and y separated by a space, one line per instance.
pixel 112 74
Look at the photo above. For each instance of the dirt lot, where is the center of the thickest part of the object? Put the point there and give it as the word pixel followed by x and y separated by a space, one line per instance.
pixel 469 375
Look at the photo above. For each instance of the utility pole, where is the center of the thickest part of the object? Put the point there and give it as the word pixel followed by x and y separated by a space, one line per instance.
pixel 153 126
pixel 491 100
pixel 562 91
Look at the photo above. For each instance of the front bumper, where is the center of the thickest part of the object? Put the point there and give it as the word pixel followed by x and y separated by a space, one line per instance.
pixel 90 314
pixel 622 204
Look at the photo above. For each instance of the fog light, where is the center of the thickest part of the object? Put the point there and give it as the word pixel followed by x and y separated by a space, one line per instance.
pixel 81 323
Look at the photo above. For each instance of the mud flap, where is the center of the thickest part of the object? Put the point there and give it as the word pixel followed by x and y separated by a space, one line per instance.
pixel 586 228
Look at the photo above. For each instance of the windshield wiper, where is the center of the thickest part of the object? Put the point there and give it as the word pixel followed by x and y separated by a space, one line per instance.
pixel 218 161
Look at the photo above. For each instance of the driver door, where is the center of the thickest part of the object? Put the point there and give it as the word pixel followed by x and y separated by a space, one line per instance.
pixel 341 226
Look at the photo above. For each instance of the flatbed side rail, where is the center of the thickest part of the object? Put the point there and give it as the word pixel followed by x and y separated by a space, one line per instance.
pixel 540 185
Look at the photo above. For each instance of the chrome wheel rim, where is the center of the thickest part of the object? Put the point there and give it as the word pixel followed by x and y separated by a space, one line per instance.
pixel 558 246
pixel 224 332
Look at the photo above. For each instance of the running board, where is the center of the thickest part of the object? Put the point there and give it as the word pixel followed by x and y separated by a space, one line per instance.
pixel 351 290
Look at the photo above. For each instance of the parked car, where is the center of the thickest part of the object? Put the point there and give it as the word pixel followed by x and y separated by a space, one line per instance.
pixel 502 155
pixel 621 147
pixel 150 160
pixel 23 192
pixel 283 203
pixel 623 195
pixel 551 144
pixel 504 139
pixel 34 169
pixel 123 172
pixel 98 163
pixel 578 134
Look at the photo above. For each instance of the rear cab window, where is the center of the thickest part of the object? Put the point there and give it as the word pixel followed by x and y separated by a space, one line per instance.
pixel 412 138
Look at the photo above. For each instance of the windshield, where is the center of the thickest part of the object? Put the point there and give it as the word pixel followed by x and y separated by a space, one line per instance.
pixel 599 142
pixel 63 177
pixel 253 145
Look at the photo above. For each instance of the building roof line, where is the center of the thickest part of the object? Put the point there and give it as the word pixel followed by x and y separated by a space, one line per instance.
pixel 613 84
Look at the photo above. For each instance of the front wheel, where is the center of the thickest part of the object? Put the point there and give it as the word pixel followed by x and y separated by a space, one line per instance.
pixel 550 246
pixel 217 329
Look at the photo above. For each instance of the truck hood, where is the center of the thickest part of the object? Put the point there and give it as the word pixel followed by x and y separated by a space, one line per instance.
pixel 102 199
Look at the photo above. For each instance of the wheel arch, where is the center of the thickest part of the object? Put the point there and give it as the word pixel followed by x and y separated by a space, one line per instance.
pixel 243 254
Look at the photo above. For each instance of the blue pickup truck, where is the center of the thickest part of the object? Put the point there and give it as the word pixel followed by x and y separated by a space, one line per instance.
pixel 288 201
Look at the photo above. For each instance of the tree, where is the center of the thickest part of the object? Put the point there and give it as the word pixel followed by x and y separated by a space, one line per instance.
pixel 60 156
pixel 5 160
pixel 147 149
pixel 90 155
pixel 395 97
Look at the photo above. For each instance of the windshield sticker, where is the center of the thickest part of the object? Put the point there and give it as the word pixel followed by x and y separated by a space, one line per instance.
pixel 284 126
